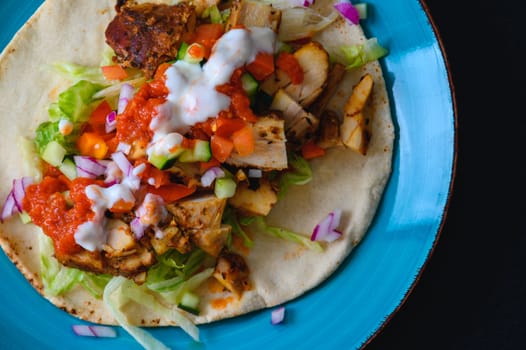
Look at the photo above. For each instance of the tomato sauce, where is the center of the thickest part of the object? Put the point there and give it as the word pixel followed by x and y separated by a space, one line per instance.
pixel 48 207
pixel 133 125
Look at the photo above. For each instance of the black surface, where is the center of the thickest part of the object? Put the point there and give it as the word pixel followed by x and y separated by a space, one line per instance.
pixel 472 294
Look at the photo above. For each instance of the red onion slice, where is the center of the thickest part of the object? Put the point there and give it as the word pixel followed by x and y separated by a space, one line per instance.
pixel 210 175
pixel 125 96
pixel 94 331
pixel 123 163
pixel 327 229
pixel 278 315
pixel 9 207
pixel 111 122
pixel 124 147
pixel 19 191
pixel 89 167
pixel 347 10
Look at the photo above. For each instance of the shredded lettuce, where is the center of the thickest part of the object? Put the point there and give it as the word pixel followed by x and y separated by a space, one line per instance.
pixel 300 173
pixel 360 54
pixel 114 298
pixel 173 268
pixel 282 233
pixel 49 131
pixel 74 104
pixel 230 218
pixel 174 297
pixel 59 279
pixel 76 72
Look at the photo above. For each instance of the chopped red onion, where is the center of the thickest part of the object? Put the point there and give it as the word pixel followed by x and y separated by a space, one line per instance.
pixel 19 190
pixel 89 167
pixel 307 3
pixel 327 229
pixel 347 10
pixel 255 173
pixel 13 202
pixel 111 121
pixel 9 207
pixel 210 175
pixel 125 96
pixel 94 331
pixel 278 315
pixel 123 163
pixel 124 147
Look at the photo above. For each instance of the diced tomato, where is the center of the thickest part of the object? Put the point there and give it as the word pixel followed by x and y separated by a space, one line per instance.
pixel 92 144
pixel 262 67
pixel 114 72
pixel 153 176
pixel 311 150
pixel 172 192
pixel 288 63
pixel 241 106
pixel 243 141
pixel 204 166
pixel 207 35
pixel 221 147
pixel 225 127
pixel 97 119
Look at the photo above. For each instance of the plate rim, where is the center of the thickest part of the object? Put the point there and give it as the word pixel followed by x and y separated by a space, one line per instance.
pixel 421 270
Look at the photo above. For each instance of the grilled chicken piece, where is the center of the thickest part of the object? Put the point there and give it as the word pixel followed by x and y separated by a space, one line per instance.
pixel 335 77
pixel 131 265
pixel 198 213
pixel 172 237
pixel 232 272
pixel 146 35
pixel 299 124
pixel 253 14
pixel 84 260
pixel 329 130
pixel 355 128
pixel 120 239
pixel 270 152
pixel 254 202
pixel 314 60
pixel 211 240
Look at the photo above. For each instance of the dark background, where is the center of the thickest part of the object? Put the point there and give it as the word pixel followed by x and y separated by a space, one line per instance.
pixel 472 293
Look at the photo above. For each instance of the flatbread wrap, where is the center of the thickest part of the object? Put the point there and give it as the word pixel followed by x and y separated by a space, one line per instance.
pixel 139 182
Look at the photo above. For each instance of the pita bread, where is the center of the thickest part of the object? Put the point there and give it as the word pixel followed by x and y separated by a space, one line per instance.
pixel 73 31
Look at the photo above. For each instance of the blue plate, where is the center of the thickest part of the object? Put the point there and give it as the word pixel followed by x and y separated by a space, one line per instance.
pixel 349 308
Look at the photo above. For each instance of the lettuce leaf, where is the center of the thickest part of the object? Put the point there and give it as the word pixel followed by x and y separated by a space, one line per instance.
pixel 299 173
pixel 283 233
pixel 58 279
pixel 76 72
pixel 360 54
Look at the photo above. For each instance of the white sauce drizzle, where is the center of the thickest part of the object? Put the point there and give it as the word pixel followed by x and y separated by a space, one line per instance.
pixel 193 97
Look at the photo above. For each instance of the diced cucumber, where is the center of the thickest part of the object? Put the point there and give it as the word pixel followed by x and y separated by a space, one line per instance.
pixel 54 153
pixel 250 85
pixel 190 302
pixel 362 10
pixel 164 161
pixel 195 47
pixel 25 218
pixel 200 153
pixel 182 51
pixel 68 168
pixel 225 187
